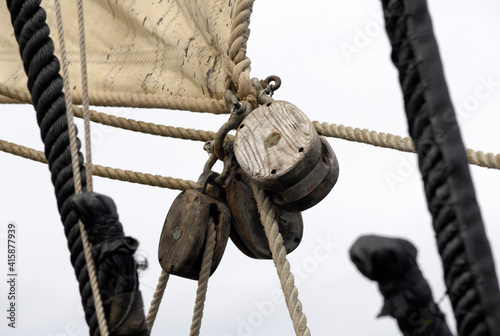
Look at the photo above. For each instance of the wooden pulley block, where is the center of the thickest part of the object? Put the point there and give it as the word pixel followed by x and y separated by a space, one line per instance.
pixel 183 237
pixel 313 187
pixel 247 232
pixel 279 149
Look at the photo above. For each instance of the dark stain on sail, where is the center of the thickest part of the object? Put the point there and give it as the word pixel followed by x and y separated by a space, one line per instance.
pixel 209 73
pixel 144 85
pixel 111 9
pixel 187 47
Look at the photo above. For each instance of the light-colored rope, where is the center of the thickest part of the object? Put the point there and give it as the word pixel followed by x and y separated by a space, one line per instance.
pixel 149 128
pixel 237 64
pixel 404 144
pixel 366 136
pixel 85 94
pixel 23 151
pixel 278 251
pixel 157 297
pixel 87 247
pixel 141 100
pixel 18 95
pixel 144 178
pixel 107 172
pixel 206 267
pixel 149 100
pixel 479 158
pixel 123 123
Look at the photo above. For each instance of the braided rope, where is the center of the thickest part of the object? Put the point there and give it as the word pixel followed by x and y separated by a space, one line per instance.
pixel 366 136
pixel 144 178
pixel 148 100
pixel 87 246
pixel 85 94
pixel 157 297
pixel 150 128
pixel 142 100
pixel 278 251
pixel 237 64
pixel 22 151
pixel 107 172
pixel 206 267
pixel 20 96
pixel 45 86
pixel 469 269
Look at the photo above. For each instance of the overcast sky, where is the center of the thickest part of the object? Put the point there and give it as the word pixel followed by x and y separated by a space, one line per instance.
pixel 334 60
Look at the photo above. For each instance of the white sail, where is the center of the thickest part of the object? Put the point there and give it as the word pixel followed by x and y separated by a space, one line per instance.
pixel 165 49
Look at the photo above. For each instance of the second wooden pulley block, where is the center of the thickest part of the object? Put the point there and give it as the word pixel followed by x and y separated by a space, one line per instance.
pixel 247 231
pixel 279 149
pixel 183 238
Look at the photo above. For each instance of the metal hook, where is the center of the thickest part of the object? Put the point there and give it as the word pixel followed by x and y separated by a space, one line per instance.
pixel 239 110
pixel 228 163
pixel 266 84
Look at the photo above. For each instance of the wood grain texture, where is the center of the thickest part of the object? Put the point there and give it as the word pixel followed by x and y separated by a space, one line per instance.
pixel 182 239
pixel 314 187
pixel 247 231
pixel 277 145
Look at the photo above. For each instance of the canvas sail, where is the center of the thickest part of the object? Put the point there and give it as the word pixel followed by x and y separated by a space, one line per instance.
pixel 138 54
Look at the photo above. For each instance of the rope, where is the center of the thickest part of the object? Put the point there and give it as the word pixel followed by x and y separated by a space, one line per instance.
pixel 469 269
pixel 478 158
pixel 237 64
pixel 278 251
pixel 404 144
pixel 143 100
pixel 85 93
pixel 366 136
pixel 107 172
pixel 87 247
pixel 206 268
pixel 149 128
pixel 46 88
pixel 123 123
pixel 45 85
pixel 148 100
pixel 157 297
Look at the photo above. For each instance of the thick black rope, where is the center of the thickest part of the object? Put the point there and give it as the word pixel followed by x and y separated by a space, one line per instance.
pixel 464 248
pixel 116 267
pixel 46 85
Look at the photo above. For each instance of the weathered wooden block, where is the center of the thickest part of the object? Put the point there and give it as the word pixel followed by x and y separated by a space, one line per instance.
pixel 182 239
pixel 279 149
pixel 314 186
pixel 247 232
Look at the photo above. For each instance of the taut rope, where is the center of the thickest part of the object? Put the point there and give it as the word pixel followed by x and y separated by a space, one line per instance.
pixel 87 246
pixel 278 251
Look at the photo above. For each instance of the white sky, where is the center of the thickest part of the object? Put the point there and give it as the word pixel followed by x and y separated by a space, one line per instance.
pixel 303 45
